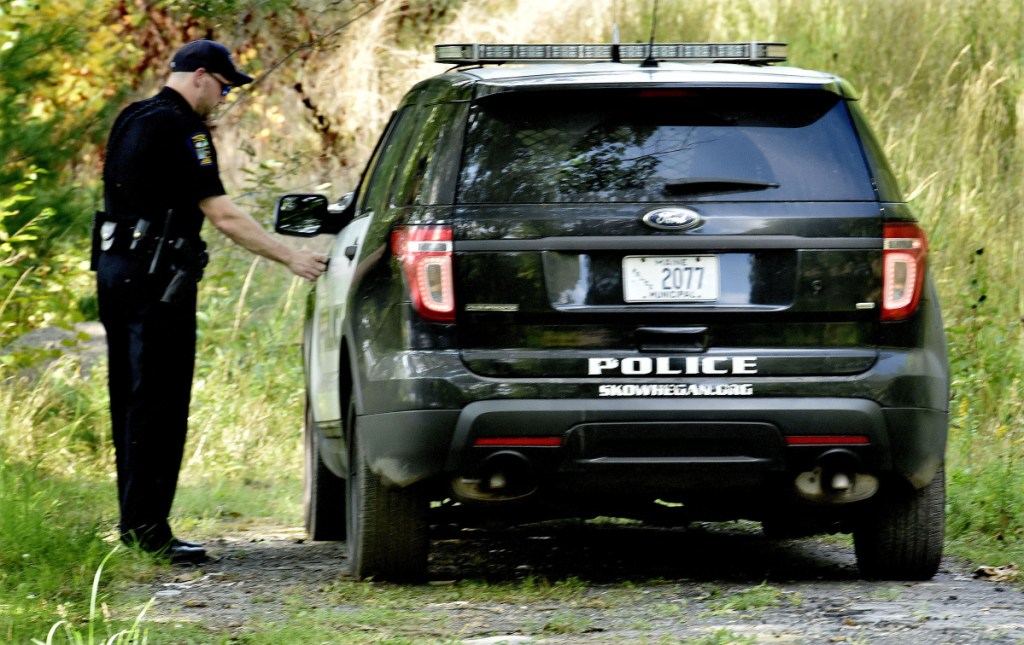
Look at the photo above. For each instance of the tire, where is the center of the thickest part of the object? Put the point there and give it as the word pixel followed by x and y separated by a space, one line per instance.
pixel 388 538
pixel 901 538
pixel 323 493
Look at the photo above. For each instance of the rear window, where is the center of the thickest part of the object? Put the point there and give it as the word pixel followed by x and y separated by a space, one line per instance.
pixel 662 145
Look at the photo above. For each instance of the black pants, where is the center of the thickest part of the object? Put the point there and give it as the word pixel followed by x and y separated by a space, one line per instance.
pixel 152 357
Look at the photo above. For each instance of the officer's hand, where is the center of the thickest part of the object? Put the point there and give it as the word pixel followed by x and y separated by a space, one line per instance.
pixel 307 264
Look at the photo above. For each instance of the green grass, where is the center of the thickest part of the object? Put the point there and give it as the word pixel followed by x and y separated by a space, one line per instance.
pixel 51 545
pixel 530 589
pixel 567 622
pixel 97 628
pixel 719 637
pixel 756 598
pixel 58 507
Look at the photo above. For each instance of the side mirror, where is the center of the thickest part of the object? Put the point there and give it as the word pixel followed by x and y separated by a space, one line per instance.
pixel 301 215
pixel 311 215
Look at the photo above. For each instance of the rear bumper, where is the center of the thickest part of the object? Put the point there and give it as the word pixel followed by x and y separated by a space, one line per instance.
pixel 658 444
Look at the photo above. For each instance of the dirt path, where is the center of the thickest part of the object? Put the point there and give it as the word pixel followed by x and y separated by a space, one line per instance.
pixel 630 584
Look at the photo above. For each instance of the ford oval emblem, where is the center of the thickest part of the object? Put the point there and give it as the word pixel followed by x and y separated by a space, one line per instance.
pixel 673 219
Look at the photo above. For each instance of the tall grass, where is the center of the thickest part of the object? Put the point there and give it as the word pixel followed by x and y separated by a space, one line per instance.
pixel 941 80
pixel 54 508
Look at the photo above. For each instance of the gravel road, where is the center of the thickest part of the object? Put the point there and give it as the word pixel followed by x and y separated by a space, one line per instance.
pixel 629 584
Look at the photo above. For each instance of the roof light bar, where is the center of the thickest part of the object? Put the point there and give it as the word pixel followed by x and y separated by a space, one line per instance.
pixel 479 54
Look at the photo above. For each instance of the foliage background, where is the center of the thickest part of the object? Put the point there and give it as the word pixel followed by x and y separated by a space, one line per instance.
pixel 941 80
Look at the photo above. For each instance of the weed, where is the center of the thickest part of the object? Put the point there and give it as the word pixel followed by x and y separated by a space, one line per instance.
pixel 887 593
pixel 722 636
pixel 673 609
pixel 567 623
pixel 133 635
pixel 759 597
pixel 531 589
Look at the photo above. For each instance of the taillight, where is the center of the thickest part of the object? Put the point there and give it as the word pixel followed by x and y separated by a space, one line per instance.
pixel 903 260
pixel 425 253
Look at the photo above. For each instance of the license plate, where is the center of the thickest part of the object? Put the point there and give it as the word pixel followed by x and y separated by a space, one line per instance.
pixel 670 278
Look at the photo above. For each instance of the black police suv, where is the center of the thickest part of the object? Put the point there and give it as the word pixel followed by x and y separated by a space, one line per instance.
pixel 669 282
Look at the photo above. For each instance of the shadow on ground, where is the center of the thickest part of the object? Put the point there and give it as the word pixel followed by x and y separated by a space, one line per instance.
pixel 602 553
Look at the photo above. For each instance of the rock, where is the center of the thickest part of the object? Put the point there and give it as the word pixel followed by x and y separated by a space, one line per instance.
pixel 86 343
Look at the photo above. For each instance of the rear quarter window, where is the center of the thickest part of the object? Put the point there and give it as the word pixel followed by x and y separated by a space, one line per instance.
pixel 660 145
pixel 428 171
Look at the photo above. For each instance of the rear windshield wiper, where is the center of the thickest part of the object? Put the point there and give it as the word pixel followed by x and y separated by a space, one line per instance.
pixel 712 185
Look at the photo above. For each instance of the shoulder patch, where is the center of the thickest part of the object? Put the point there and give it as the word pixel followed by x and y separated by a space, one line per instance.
pixel 201 146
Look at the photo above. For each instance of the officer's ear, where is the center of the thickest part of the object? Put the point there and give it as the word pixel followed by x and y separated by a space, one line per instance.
pixel 197 77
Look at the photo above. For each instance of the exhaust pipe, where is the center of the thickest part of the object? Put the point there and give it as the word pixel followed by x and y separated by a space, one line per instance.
pixel 836 479
pixel 504 476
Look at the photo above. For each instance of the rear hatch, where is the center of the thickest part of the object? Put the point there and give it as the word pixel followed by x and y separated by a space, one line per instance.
pixel 666 232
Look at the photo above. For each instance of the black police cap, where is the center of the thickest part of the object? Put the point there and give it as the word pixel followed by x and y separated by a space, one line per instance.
pixel 211 56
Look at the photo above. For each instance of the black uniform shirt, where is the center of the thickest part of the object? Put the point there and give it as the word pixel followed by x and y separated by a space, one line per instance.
pixel 160 156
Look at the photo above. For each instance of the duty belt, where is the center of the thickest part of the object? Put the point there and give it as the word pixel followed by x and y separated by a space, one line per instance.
pixel 111 235
pixel 141 237
pixel 119 237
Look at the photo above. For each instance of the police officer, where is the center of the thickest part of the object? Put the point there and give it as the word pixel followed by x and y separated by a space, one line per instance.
pixel 161 181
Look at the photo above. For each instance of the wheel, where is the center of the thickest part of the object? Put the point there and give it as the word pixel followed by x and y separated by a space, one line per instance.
pixel 323 492
pixel 901 538
pixel 388 535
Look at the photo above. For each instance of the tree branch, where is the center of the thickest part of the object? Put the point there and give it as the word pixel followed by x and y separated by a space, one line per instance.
pixel 309 45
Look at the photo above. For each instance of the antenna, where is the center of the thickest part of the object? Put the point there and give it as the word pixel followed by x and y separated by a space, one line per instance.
pixel 650 61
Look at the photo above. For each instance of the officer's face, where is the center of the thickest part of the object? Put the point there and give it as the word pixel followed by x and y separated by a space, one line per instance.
pixel 211 94
pixel 225 86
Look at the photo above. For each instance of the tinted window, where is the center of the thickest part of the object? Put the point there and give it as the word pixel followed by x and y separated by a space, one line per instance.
pixel 662 145
pixel 374 194
pixel 428 171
